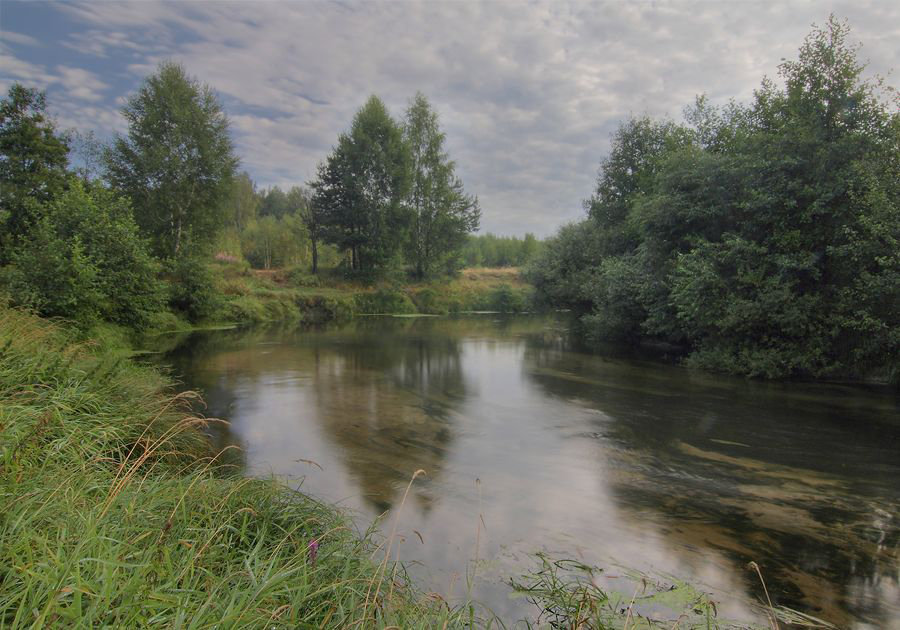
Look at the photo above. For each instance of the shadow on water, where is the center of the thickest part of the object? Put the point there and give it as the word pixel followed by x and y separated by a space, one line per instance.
pixel 801 478
pixel 531 443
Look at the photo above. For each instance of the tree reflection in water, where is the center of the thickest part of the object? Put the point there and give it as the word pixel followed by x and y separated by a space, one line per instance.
pixel 598 455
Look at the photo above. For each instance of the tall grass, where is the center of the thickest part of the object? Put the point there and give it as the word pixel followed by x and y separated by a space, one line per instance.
pixel 116 514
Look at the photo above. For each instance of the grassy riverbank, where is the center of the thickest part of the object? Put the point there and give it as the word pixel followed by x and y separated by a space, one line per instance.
pixel 117 514
pixel 282 294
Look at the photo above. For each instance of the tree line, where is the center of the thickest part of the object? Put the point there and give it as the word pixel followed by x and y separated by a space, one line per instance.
pixel 388 194
pixel 490 250
pixel 762 238
pixel 127 232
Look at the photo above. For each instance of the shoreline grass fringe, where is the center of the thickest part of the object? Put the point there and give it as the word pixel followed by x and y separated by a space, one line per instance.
pixel 117 514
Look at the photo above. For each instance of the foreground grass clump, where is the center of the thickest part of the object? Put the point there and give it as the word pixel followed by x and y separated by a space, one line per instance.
pixel 117 515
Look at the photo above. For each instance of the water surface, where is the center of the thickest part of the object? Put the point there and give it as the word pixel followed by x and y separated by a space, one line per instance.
pixel 530 443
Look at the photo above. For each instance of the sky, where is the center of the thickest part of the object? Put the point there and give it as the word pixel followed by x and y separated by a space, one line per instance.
pixel 528 93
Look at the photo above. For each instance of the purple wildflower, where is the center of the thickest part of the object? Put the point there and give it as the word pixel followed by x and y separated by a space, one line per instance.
pixel 312 549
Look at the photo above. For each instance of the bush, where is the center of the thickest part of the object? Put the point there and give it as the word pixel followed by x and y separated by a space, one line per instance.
pixel 281 309
pixel 301 277
pixel 192 288
pixel 245 308
pixel 319 308
pixel 507 300
pixel 164 321
pixel 384 302
pixel 430 302
pixel 84 260
pixel 234 286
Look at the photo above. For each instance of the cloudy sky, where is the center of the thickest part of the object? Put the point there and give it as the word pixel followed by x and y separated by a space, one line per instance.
pixel 528 92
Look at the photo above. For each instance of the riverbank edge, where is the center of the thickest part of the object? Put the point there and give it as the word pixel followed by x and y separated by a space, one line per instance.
pixel 119 513
pixel 246 296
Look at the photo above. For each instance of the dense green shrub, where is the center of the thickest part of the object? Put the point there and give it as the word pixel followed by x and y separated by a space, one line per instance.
pixel 84 260
pixel 192 288
pixel 506 299
pixel 282 308
pixel 430 302
pixel 320 308
pixel 384 301
pixel 245 308
pixel 301 277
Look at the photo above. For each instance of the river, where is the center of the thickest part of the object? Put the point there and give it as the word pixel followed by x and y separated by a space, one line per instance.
pixel 531 443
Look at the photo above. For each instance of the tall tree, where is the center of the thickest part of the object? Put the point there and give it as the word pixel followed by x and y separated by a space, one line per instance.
pixel 33 162
pixel 242 203
pixel 177 161
pixel 300 206
pixel 311 216
pixel 442 213
pixel 361 188
pixel 274 203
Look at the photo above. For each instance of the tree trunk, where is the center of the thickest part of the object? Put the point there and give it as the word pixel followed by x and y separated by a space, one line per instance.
pixel 177 235
pixel 315 257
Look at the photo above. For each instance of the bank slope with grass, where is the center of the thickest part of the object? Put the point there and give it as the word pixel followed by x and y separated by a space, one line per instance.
pixel 248 295
pixel 116 513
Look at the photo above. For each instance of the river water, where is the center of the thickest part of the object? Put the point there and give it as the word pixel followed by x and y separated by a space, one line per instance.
pixel 530 443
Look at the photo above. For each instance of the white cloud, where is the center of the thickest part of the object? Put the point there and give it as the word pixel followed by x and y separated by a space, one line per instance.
pixel 103 44
pixel 15 69
pixel 7 37
pixel 81 84
pixel 528 93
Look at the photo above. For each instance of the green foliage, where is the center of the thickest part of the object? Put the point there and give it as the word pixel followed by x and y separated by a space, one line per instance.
pixel 360 190
pixel 489 250
pixel 300 277
pixel 193 291
pixel 505 299
pixel 429 302
pixel 763 238
pixel 324 308
pixel 442 214
pixel 83 260
pixel 275 242
pixel 33 161
pixel 564 269
pixel 383 301
pixel 55 277
pixel 177 161
pixel 244 308
pixel 274 203
pixel 242 203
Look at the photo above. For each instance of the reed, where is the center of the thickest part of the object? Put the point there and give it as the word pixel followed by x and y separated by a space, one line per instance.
pixel 117 514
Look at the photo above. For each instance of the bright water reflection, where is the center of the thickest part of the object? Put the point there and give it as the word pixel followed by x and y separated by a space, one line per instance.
pixel 605 459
